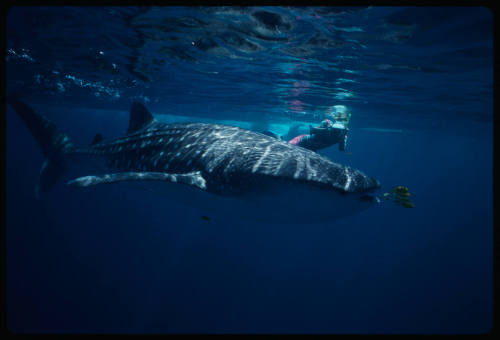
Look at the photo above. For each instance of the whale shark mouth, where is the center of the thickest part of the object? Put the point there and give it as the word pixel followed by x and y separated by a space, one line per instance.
pixel 370 198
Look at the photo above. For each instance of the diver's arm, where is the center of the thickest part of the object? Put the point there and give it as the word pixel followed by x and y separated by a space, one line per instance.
pixel 320 131
pixel 343 143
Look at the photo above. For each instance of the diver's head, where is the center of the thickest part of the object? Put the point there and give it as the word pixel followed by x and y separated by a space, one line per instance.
pixel 338 113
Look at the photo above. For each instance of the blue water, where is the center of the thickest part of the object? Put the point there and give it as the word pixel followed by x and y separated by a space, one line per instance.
pixel 118 259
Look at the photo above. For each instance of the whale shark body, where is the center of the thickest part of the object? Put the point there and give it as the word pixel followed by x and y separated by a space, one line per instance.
pixel 221 169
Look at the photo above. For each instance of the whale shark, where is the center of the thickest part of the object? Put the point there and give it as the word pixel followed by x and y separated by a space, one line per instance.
pixel 222 169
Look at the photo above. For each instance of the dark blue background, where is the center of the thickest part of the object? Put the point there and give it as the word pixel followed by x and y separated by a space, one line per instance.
pixel 119 259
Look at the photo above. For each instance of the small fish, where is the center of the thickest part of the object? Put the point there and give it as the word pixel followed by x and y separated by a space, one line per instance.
pixel 401 190
pixel 407 205
pixel 400 196
pixel 205 218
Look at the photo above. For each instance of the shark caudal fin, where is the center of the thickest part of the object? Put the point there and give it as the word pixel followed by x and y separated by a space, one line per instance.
pixel 54 143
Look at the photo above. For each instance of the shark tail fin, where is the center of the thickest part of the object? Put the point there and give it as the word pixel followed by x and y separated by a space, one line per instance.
pixel 54 143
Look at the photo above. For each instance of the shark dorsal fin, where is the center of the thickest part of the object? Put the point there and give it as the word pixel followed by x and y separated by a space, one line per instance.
pixel 139 117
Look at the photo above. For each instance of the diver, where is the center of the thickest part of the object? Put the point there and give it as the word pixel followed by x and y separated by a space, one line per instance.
pixel 327 133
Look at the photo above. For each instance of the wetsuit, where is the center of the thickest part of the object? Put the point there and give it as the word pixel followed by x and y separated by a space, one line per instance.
pixel 322 136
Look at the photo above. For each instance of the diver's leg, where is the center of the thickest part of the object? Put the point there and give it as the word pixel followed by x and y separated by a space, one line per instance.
pixel 305 141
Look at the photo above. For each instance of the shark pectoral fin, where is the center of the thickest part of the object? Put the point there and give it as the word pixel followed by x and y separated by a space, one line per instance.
pixel 191 178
